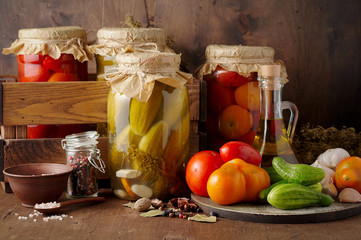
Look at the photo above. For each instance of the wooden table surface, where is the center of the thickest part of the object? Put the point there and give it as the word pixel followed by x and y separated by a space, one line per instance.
pixel 110 220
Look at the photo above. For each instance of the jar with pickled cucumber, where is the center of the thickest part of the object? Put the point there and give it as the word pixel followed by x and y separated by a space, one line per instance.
pixel 58 54
pixel 233 95
pixel 113 41
pixel 149 125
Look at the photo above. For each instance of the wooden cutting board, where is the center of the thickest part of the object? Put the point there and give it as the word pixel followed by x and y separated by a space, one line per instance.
pixel 265 213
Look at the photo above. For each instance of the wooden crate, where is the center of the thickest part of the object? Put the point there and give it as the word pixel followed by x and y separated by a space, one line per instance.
pixel 60 103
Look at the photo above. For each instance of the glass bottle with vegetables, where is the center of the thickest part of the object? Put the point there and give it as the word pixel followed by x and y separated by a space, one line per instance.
pixel 233 105
pixel 148 123
pixel 272 138
pixel 58 54
pixel 113 41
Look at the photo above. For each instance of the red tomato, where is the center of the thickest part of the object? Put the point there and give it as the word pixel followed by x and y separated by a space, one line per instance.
pixel 63 77
pixel 234 122
pixel 65 129
pixel 30 58
pixel 199 168
pixel 218 97
pixel 83 70
pixel 30 72
pixel 40 131
pixel 244 151
pixel 248 137
pixel 348 174
pixel 209 77
pixel 229 78
pixel 64 64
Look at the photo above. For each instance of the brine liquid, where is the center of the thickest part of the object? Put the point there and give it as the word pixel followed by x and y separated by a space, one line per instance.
pixel 272 141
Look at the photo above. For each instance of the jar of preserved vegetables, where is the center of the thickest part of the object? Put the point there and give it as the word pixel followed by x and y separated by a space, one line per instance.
pixel 233 95
pixel 113 41
pixel 148 122
pixel 83 156
pixel 56 54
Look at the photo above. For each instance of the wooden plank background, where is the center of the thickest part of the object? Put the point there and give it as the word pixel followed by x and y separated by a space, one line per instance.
pixel 319 40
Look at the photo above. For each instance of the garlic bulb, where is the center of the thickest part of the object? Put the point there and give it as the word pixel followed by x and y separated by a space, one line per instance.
pixel 329 174
pixel 332 157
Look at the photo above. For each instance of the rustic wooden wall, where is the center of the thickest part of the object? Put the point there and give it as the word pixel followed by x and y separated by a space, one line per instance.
pixel 319 40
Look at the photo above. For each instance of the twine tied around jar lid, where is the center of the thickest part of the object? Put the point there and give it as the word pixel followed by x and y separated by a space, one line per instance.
pixel 53 42
pixel 85 141
pixel 241 59
pixel 136 73
pixel 112 41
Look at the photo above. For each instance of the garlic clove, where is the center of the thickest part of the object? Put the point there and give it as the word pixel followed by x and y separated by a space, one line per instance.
pixel 128 173
pixel 330 189
pixel 349 195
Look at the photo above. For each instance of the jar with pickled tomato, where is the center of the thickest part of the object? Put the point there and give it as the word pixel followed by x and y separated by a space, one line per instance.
pixel 113 41
pixel 233 95
pixel 58 54
pixel 149 125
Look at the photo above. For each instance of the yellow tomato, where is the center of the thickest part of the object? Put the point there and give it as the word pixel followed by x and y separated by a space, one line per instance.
pixel 227 185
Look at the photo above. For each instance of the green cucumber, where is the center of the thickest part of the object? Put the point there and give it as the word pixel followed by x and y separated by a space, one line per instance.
pixel 273 175
pixel 298 173
pixel 263 193
pixel 317 187
pixel 293 196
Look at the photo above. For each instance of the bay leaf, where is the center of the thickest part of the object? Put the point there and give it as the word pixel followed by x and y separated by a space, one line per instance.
pixel 151 213
pixel 129 205
pixel 203 218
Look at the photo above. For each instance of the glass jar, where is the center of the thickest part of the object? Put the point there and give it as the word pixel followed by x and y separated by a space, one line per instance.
pixel 83 156
pixel 148 122
pixel 52 55
pixel 233 95
pixel 113 41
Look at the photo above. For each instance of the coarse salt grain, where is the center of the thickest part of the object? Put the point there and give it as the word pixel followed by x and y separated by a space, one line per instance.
pixel 47 205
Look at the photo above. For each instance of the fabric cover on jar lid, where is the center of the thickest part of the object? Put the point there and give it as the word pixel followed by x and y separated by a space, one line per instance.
pixel 137 72
pixel 112 41
pixel 53 42
pixel 237 58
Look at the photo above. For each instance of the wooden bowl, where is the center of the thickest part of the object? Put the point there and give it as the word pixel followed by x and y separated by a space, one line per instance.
pixel 38 182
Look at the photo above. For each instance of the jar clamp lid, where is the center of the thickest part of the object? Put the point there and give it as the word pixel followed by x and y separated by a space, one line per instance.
pixel 85 141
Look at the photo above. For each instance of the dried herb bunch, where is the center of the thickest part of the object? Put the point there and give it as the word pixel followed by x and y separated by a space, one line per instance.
pixel 311 141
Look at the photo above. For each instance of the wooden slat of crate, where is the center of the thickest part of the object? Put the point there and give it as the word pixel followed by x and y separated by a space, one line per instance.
pixel 65 103
pixel 54 103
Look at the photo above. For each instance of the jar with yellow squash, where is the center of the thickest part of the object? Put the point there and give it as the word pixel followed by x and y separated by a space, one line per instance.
pixel 113 41
pixel 148 124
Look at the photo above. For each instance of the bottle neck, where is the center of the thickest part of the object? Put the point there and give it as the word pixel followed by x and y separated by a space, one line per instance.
pixel 271 97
